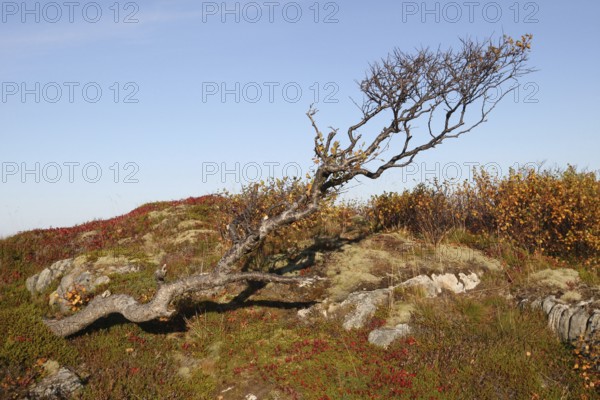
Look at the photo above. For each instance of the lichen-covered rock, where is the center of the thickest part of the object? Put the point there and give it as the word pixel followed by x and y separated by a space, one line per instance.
pixel 448 282
pixel 78 274
pixel 80 279
pixel 548 303
pixel 363 305
pixel 578 324
pixel 555 315
pixel 436 283
pixel 40 282
pixel 593 324
pixel 571 296
pixel 425 282
pixel 470 281
pixel 383 337
pixel 59 385
pixel 565 321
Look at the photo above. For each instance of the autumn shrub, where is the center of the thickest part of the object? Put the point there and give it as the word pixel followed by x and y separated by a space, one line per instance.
pixel 553 212
pixel 427 210
pixel 245 211
pixel 556 212
pixel 436 212
pixel 391 210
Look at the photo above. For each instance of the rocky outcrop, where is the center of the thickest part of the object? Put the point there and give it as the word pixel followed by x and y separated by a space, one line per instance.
pixel 60 384
pixel 363 306
pixel 77 274
pixel 435 284
pixel 568 321
pixel 40 282
pixel 359 307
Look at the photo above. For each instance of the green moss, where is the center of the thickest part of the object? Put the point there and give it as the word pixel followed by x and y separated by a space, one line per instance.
pixel 25 337
pixel 489 349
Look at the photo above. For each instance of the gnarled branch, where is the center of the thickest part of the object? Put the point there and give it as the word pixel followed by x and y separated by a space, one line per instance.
pixel 158 306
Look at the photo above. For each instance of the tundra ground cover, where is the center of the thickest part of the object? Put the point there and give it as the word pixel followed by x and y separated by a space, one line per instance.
pixel 249 340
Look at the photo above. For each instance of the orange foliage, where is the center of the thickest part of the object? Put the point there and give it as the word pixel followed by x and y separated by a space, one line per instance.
pixel 553 212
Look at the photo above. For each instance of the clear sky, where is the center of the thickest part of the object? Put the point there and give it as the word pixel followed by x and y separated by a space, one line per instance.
pixel 108 105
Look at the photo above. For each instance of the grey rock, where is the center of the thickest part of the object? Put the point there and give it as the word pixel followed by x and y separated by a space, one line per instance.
pixel 359 307
pixel 101 280
pixel 523 304
pixel 40 282
pixel 383 337
pixel 87 277
pixel 436 283
pixel 536 304
pixel 548 303
pixel 449 282
pixel 564 323
pixel 364 305
pixel 59 385
pixel 578 324
pixel 593 324
pixel 431 289
pixel 470 281
pixel 554 317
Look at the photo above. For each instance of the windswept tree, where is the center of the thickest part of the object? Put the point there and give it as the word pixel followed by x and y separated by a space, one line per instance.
pixel 424 98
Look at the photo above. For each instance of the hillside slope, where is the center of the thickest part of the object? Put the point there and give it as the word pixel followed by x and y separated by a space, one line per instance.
pixel 366 330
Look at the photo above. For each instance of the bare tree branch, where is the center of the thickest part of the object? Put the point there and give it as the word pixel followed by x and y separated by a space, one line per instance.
pixel 158 307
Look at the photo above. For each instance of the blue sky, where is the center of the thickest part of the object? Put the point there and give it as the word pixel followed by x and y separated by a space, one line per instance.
pixel 108 105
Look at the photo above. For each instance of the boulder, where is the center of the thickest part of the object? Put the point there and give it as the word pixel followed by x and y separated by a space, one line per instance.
pixel 448 282
pixel 578 324
pixel 78 274
pixel 554 317
pixel 593 324
pixel 425 282
pixel 565 321
pixel 40 282
pixel 383 337
pixel 363 305
pixel 58 385
pixel 548 303
pixel 470 281
pixel 436 283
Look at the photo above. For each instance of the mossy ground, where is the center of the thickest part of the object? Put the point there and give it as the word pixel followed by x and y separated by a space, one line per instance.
pixel 478 345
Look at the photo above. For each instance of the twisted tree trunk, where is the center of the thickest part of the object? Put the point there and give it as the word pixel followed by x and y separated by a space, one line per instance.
pixel 158 307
